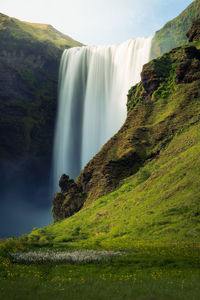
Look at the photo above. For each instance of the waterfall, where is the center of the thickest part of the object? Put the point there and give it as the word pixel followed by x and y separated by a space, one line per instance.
pixel 93 85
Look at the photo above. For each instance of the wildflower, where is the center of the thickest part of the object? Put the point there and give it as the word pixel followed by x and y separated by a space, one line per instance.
pixel 59 257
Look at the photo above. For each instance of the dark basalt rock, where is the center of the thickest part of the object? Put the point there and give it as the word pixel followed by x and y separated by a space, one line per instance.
pixel 155 72
pixel 66 183
pixel 192 52
pixel 84 180
pixel 188 70
pixel 69 200
pixel 194 32
pixel 150 78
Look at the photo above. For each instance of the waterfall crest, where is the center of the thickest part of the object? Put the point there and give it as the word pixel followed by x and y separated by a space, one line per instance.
pixel 93 84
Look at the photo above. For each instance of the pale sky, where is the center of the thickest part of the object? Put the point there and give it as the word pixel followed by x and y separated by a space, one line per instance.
pixel 97 22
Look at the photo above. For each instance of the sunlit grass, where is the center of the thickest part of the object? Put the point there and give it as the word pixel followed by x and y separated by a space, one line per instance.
pixel 145 272
pixel 160 203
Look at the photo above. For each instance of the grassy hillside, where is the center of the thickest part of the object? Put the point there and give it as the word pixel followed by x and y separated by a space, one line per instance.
pixel 35 31
pixel 173 34
pixel 159 202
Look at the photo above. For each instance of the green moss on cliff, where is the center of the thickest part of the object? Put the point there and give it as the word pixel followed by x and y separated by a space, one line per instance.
pixel 159 203
pixel 152 163
pixel 29 62
pixel 173 34
pixel 35 32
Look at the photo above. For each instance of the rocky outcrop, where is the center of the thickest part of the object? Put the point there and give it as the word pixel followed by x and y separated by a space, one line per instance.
pixel 149 126
pixel 69 200
pixel 155 116
pixel 188 69
pixel 194 32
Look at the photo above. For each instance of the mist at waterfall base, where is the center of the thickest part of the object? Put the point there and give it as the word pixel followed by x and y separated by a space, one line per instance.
pixel 25 198
pixel 93 87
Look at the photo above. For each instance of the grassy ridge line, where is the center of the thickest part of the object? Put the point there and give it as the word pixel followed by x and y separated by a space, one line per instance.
pixel 173 34
pixel 36 31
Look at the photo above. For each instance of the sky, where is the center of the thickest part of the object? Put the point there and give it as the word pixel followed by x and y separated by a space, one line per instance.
pixel 97 22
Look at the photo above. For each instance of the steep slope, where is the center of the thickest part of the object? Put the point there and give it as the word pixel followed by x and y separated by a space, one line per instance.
pixel 153 120
pixel 173 34
pixel 29 63
pixel 152 163
pixel 35 32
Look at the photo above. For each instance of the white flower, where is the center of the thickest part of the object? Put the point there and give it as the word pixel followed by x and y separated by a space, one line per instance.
pixel 58 257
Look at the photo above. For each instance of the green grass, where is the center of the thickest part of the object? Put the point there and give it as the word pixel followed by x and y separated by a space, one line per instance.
pixel 36 32
pixel 153 216
pixel 147 271
pixel 159 203
pixel 140 285
pixel 173 34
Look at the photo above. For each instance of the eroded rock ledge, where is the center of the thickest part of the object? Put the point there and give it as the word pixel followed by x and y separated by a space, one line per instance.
pixel 69 200
pixel 194 32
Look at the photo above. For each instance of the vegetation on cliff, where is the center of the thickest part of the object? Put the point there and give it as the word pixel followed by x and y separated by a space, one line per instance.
pixel 143 184
pixel 150 210
pixel 173 34
pixel 29 63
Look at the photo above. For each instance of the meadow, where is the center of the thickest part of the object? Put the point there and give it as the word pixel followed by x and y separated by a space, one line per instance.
pixel 144 272
pixel 141 238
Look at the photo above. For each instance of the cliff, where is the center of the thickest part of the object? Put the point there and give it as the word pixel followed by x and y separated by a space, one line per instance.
pixel 154 119
pixel 194 32
pixel 173 34
pixel 29 64
pixel 144 183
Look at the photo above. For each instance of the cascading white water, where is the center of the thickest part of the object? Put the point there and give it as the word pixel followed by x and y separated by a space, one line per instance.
pixel 93 84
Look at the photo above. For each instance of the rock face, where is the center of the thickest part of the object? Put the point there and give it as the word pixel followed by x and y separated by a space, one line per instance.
pixel 160 107
pixel 194 32
pixel 188 69
pixel 29 63
pixel 155 117
pixel 141 138
pixel 69 200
